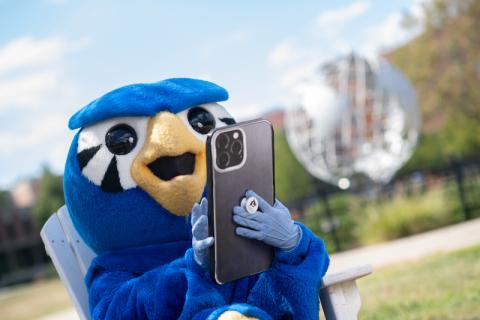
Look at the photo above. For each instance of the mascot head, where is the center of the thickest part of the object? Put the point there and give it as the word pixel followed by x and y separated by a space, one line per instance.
pixel 137 165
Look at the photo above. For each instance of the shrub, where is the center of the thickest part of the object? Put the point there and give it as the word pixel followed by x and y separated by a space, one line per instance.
pixel 404 216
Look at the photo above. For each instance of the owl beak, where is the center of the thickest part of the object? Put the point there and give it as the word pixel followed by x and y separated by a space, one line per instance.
pixel 171 166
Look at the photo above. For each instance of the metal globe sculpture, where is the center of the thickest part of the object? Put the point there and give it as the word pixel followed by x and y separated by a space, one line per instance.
pixel 354 117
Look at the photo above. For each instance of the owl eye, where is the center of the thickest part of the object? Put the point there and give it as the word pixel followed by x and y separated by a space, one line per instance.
pixel 201 120
pixel 121 139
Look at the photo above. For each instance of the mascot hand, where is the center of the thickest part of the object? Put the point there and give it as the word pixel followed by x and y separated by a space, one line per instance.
pixel 272 225
pixel 200 239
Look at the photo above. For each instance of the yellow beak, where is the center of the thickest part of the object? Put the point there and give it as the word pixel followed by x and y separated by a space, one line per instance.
pixel 171 166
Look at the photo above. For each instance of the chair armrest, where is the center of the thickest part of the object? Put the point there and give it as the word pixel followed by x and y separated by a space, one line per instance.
pixel 339 293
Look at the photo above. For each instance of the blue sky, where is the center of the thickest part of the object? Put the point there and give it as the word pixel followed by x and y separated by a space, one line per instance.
pixel 58 55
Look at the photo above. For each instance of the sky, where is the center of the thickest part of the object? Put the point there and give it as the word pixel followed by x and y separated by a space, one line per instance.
pixel 58 55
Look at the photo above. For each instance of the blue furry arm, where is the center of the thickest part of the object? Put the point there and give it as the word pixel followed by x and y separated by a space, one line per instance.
pixel 206 300
pixel 310 252
pixel 291 286
pixel 158 293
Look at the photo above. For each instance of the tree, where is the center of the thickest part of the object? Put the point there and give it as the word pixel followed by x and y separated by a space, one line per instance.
pixel 292 181
pixel 443 64
pixel 50 196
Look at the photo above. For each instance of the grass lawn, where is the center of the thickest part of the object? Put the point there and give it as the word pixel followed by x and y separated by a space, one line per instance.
pixel 444 286
pixel 34 300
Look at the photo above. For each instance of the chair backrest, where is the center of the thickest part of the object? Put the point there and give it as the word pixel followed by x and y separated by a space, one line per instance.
pixel 70 255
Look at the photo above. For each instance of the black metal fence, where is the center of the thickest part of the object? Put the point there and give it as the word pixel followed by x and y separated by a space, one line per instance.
pixel 333 214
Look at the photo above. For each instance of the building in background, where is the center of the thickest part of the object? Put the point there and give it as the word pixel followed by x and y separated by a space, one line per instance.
pixel 22 255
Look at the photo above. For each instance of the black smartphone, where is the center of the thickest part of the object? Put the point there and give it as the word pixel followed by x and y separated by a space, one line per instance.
pixel 240 157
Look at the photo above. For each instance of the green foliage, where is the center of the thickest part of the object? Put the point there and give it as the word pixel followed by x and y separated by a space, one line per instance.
pixel 460 139
pixel 4 198
pixel 404 216
pixel 361 221
pixel 438 287
pixel 442 62
pixel 443 65
pixel 50 197
pixel 292 181
pixel 342 208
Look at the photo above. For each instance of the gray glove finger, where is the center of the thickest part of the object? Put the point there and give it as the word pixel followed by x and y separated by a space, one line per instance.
pixel 240 211
pixel 204 205
pixel 245 222
pixel 200 245
pixel 196 213
pixel 262 204
pixel 198 210
pixel 247 233
pixel 200 228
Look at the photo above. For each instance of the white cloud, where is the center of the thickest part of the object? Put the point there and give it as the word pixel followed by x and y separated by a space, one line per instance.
pixel 282 53
pixel 336 32
pixel 27 90
pixel 28 52
pixel 295 62
pixel 32 70
pixel 391 33
pixel 36 92
pixel 294 75
pixel 329 20
pixel 32 134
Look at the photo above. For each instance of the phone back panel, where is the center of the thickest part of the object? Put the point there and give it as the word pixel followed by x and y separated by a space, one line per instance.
pixel 233 257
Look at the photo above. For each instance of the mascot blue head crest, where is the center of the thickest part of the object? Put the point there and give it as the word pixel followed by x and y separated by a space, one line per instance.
pixel 137 165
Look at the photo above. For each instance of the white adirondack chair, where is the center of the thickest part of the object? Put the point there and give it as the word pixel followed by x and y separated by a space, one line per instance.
pixel 71 257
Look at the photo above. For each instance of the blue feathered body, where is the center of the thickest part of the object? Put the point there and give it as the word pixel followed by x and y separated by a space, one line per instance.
pixel 164 282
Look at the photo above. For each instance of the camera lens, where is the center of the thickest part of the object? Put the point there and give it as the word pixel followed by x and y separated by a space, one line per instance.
pixel 223 160
pixel 222 141
pixel 236 147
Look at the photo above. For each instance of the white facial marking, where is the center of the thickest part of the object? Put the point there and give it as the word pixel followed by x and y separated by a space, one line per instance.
pixel 94 136
pixel 215 109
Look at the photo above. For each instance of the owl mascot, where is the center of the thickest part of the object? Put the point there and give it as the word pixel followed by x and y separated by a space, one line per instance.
pixel 134 182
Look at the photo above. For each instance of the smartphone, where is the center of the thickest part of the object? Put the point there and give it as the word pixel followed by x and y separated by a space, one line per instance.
pixel 240 157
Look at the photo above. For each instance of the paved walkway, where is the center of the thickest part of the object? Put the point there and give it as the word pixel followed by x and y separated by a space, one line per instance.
pixel 447 239
pixel 69 314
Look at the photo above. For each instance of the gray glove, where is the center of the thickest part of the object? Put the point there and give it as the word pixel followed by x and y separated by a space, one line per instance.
pixel 272 225
pixel 200 239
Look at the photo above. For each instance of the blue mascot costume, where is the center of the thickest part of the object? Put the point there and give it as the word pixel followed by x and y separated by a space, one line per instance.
pixel 134 181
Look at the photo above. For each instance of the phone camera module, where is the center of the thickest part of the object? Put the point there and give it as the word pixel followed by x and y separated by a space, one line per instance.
pixel 230 149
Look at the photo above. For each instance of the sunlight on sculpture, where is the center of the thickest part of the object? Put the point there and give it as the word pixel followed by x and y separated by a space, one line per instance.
pixel 354 117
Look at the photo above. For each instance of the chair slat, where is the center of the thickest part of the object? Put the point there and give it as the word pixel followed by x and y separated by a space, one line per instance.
pixel 84 254
pixel 341 301
pixel 339 293
pixel 66 264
